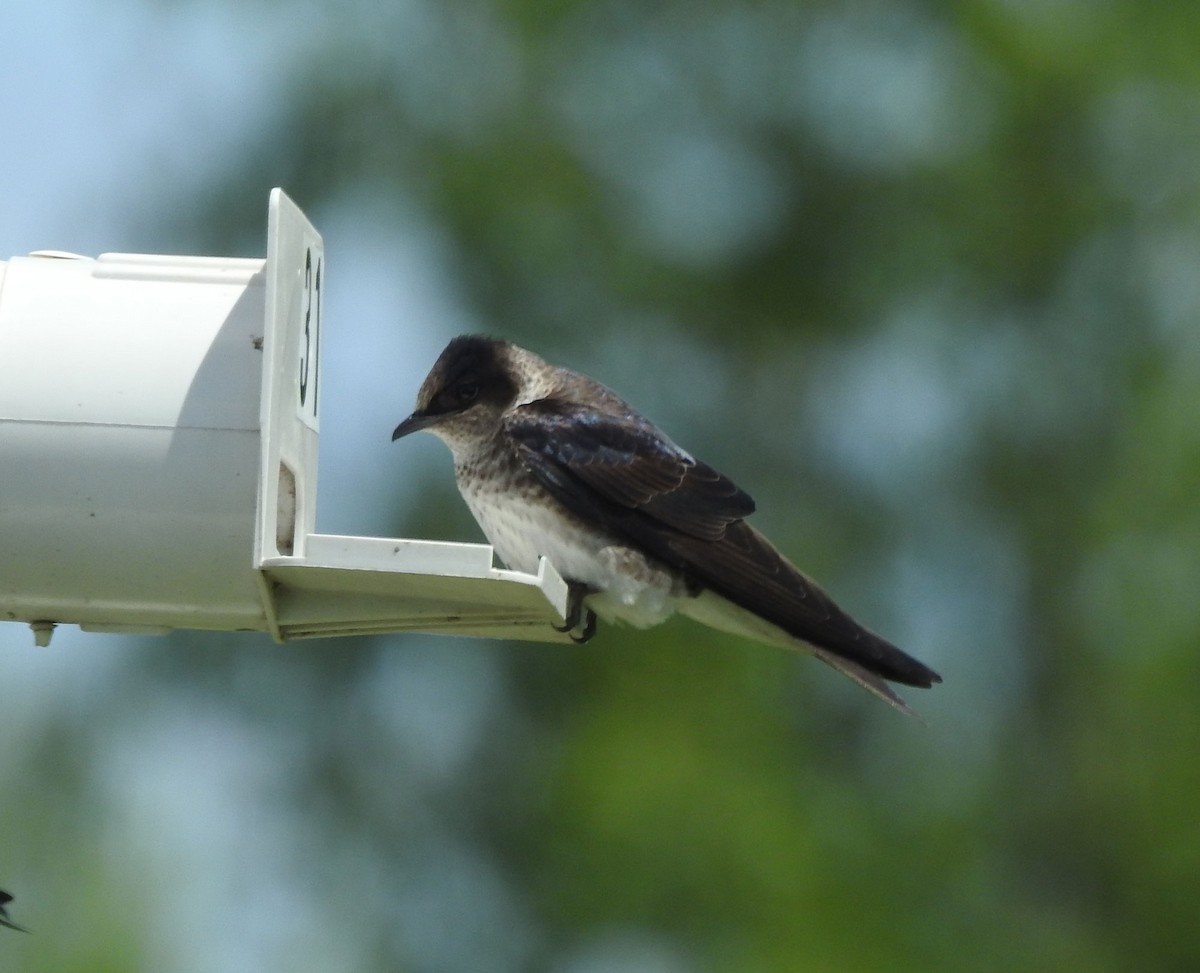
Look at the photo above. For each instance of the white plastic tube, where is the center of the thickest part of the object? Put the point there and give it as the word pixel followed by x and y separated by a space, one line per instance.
pixel 129 417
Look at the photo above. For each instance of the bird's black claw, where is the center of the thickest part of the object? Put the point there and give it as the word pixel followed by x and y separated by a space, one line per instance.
pixel 589 628
pixel 578 613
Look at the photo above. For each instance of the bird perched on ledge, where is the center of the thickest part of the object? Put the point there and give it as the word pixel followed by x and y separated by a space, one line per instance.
pixel 552 463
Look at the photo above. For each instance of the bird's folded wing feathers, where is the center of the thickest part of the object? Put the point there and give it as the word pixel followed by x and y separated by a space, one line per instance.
pixel 594 458
pixel 619 470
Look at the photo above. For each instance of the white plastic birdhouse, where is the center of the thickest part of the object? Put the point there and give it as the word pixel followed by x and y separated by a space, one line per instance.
pixel 159 421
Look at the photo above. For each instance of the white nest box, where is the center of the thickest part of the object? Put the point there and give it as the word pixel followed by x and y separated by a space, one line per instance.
pixel 158 460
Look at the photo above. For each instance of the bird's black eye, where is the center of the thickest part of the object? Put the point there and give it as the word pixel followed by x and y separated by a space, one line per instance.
pixel 466 392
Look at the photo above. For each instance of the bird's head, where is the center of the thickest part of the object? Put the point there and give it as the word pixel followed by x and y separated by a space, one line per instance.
pixel 465 392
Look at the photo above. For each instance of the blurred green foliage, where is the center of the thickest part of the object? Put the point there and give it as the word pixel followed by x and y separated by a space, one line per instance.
pixel 923 278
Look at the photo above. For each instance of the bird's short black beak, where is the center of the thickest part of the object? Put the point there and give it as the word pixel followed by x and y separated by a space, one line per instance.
pixel 414 423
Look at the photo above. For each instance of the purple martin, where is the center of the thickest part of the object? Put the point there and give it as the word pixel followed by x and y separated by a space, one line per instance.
pixel 552 463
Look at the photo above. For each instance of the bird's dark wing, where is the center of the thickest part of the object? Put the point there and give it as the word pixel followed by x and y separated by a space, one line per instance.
pixel 745 568
pixel 608 465
pixel 621 472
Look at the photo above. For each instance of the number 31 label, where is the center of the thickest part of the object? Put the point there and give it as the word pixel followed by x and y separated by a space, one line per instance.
pixel 310 338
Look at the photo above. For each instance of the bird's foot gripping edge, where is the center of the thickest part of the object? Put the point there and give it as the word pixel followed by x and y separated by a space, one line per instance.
pixel 578 616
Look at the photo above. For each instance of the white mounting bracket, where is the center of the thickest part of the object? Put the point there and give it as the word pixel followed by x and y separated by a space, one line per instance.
pixel 159 420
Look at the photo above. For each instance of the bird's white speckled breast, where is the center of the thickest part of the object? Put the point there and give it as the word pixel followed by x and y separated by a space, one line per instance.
pixel 524 523
pixel 522 528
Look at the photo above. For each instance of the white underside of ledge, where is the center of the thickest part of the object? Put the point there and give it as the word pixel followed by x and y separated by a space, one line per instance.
pixel 373 585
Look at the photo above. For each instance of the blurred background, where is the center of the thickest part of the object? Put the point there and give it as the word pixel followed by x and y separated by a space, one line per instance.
pixel 923 277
